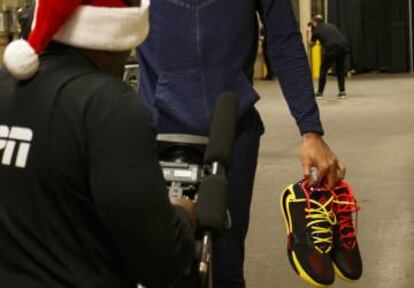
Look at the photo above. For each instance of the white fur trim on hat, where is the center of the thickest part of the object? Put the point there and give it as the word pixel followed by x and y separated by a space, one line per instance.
pixel 21 60
pixel 106 29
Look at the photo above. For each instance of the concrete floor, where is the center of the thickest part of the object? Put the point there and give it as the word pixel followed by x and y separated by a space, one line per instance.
pixel 373 133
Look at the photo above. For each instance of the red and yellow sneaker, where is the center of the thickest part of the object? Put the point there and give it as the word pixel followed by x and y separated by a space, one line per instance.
pixel 346 255
pixel 309 216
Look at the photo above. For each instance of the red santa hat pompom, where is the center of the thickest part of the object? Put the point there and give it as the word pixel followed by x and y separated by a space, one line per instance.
pixel 106 25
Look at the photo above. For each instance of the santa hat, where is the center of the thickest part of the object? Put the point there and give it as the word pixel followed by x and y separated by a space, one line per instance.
pixel 106 25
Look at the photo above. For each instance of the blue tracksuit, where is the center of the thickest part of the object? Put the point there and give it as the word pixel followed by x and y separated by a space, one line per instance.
pixel 199 48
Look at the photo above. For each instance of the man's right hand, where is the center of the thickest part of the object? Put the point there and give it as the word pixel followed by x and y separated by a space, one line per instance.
pixel 316 153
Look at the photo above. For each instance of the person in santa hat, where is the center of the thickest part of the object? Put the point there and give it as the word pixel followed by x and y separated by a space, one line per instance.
pixel 82 200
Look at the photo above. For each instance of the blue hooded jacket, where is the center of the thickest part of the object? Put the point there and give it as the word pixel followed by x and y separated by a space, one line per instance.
pixel 199 48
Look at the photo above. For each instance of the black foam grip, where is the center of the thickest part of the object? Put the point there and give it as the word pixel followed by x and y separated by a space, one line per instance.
pixel 212 204
pixel 222 130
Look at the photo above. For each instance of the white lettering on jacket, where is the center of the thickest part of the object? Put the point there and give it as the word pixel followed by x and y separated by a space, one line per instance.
pixel 15 140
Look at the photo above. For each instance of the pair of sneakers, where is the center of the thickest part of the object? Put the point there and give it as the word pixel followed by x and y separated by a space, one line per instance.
pixel 321 233
pixel 341 95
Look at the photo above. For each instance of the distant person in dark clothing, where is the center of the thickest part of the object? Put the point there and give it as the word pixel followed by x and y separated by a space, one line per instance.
pixel 335 49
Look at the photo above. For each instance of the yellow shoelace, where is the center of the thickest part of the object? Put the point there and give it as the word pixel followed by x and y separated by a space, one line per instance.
pixel 320 215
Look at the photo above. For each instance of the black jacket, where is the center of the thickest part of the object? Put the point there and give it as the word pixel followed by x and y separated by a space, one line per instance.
pixel 82 199
pixel 198 49
pixel 332 40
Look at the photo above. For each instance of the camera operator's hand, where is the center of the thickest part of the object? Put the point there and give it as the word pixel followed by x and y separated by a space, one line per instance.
pixel 188 206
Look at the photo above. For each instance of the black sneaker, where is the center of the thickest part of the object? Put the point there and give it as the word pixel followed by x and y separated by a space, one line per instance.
pixel 342 95
pixel 346 255
pixel 309 217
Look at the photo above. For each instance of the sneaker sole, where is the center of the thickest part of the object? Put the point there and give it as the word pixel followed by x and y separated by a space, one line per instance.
pixel 284 204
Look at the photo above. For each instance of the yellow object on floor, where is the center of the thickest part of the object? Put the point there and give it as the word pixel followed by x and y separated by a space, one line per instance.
pixel 316 59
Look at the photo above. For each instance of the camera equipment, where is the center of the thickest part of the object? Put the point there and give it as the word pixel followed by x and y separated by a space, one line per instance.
pixel 131 73
pixel 195 168
pixel 182 163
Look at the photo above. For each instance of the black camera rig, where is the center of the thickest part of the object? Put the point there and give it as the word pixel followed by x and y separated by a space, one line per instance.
pixel 195 168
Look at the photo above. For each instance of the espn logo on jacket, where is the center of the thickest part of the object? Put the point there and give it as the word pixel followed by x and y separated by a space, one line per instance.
pixel 15 145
